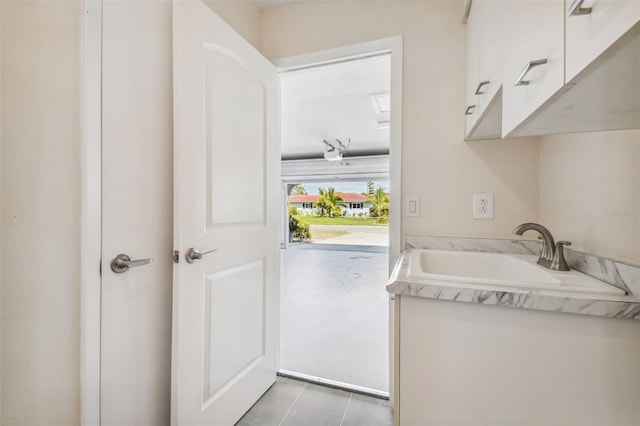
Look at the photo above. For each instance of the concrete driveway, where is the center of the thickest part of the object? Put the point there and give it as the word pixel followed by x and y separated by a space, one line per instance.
pixel 359 235
pixel 334 313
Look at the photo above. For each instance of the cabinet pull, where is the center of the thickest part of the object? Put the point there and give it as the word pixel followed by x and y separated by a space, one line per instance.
pixel 468 110
pixel 531 65
pixel 482 83
pixel 576 9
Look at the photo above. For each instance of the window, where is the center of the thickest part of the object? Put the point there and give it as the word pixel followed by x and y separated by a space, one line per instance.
pixel 307 205
pixel 356 205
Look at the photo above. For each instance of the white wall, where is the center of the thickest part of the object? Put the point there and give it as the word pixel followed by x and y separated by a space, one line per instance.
pixel 438 166
pixel 590 191
pixel 40 249
pixel 1 376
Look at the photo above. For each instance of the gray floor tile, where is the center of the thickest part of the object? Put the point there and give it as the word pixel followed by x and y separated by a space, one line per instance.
pixel 368 411
pixel 318 406
pixel 274 404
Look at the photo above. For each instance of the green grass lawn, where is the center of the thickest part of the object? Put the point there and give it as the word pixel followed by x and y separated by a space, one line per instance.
pixel 362 221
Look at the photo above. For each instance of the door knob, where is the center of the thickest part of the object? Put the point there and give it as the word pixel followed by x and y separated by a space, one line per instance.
pixel 192 254
pixel 121 263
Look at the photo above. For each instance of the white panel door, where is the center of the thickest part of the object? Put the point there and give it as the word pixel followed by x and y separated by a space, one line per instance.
pixel 137 213
pixel 226 198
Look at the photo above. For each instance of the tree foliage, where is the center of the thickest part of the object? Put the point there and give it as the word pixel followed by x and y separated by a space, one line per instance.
pixel 302 231
pixel 370 188
pixel 329 202
pixel 380 203
pixel 298 190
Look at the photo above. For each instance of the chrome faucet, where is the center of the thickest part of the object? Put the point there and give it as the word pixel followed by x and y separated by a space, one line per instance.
pixel 551 254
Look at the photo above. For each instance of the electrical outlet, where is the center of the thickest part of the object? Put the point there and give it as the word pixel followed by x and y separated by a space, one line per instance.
pixel 483 206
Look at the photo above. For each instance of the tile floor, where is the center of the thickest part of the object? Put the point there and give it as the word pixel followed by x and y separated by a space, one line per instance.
pixel 294 403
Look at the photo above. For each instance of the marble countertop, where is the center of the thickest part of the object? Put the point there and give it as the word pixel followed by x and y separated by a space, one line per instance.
pixel 400 283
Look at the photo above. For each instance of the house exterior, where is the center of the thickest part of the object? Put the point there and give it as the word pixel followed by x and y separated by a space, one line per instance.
pixel 354 204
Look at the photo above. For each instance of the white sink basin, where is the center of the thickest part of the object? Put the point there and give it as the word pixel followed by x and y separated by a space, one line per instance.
pixel 499 269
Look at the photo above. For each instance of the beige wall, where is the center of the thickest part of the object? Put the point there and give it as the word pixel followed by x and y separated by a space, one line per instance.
pixel 590 191
pixel 41 130
pixel 438 166
pixel 243 15
pixel 1 376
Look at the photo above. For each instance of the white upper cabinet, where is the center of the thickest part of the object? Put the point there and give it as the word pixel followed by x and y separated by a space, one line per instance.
pixel 484 70
pixel 539 67
pixel 592 26
pixel 473 69
pixel 533 58
pixel 491 46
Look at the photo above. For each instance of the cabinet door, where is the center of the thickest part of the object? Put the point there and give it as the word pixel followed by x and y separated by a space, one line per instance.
pixel 590 34
pixel 473 56
pixel 534 31
pixel 491 46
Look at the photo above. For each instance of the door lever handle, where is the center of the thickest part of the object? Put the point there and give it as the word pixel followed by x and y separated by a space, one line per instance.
pixel 121 263
pixel 192 254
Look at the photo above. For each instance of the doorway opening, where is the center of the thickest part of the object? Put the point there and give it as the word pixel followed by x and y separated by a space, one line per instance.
pixel 334 307
pixel 336 120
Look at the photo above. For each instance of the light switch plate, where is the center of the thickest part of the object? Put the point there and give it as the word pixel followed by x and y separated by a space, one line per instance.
pixel 413 206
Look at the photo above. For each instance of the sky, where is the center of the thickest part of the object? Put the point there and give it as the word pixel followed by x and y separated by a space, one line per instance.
pixel 359 187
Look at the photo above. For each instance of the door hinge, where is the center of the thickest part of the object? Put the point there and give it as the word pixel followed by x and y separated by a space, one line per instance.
pixel 176 256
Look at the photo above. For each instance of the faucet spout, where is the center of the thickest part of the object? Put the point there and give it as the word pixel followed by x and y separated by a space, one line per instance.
pixel 548 244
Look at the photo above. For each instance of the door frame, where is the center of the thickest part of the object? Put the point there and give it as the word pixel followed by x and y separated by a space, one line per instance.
pixel 394 46
pixel 91 213
pixel 391 45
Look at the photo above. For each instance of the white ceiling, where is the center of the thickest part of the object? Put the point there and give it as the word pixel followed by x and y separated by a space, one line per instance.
pixel 335 102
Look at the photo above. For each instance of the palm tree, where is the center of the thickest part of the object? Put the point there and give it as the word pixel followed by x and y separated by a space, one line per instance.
pixel 329 202
pixel 299 189
pixel 380 201
pixel 370 188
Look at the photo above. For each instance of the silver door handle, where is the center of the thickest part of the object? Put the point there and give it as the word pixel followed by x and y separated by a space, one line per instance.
pixel 482 83
pixel 121 263
pixel 468 110
pixel 531 65
pixel 576 9
pixel 192 254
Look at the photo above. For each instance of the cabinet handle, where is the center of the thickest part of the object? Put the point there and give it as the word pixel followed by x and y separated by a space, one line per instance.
pixel 468 110
pixel 576 9
pixel 531 65
pixel 482 83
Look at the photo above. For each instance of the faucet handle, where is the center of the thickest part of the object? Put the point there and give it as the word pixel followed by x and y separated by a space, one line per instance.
pixel 559 263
